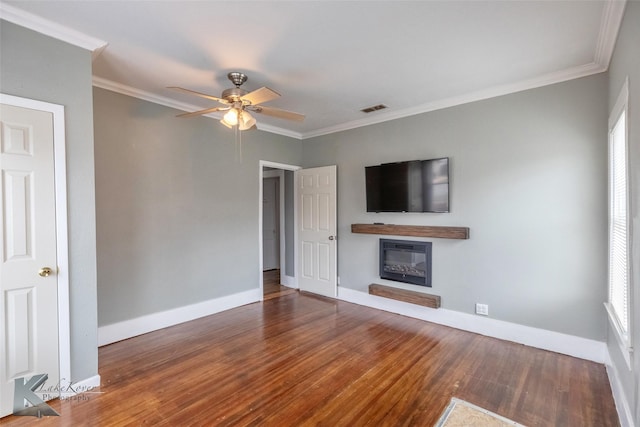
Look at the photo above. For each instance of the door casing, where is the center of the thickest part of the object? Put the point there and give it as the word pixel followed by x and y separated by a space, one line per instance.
pixel 261 174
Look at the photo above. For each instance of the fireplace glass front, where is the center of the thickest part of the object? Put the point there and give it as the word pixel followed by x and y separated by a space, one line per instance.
pixel 406 261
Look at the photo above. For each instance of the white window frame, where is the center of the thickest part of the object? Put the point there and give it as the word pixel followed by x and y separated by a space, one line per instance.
pixel 623 337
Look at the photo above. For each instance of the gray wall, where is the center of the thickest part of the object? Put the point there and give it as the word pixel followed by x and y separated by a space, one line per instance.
pixel 177 214
pixel 38 67
pixel 528 176
pixel 626 62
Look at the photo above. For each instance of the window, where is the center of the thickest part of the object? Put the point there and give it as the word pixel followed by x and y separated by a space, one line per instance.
pixel 618 305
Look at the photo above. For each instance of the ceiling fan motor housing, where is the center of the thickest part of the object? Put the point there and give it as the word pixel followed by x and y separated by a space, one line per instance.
pixel 234 94
pixel 237 78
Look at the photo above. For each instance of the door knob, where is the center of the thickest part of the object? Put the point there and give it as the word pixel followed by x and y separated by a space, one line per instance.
pixel 45 271
pixel 332 237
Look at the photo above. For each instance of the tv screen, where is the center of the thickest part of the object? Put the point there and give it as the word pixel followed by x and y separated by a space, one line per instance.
pixel 412 186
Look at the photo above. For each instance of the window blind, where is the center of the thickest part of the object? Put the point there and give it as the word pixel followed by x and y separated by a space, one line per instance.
pixel 618 233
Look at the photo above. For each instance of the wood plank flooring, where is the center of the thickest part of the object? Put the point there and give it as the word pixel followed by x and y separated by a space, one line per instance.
pixel 302 360
pixel 271 285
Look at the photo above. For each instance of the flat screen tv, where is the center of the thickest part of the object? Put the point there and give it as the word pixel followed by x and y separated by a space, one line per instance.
pixel 412 186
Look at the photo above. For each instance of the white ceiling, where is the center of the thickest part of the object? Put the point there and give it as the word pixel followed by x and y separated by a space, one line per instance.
pixel 330 59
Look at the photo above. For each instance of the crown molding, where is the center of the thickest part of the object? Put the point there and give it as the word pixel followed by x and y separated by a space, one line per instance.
pixel 182 106
pixel 495 91
pixel 545 80
pixel 51 29
pixel 146 96
pixel 612 14
pixel 610 22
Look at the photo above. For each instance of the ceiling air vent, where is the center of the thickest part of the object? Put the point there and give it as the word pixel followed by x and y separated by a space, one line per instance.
pixel 374 108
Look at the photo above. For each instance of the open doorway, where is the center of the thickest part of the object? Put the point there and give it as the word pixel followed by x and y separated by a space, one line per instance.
pixel 277 229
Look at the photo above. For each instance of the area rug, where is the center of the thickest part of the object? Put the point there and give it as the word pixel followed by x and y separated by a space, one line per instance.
pixel 464 414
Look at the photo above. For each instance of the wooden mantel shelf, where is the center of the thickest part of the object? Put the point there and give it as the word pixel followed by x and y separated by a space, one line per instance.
pixel 412 230
pixel 405 295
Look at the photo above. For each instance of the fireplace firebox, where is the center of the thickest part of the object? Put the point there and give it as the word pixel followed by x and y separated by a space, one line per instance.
pixel 406 261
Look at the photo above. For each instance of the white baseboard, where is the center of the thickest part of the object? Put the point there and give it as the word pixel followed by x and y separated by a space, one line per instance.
pixel 571 345
pixel 152 322
pixel 87 383
pixel 619 397
pixel 70 389
pixel 289 281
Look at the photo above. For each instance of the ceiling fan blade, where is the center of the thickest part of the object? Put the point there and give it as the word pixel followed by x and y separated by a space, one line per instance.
pixel 258 96
pixel 202 95
pixel 281 114
pixel 202 112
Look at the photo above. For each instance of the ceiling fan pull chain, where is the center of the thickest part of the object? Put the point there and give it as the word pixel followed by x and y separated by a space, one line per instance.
pixel 235 143
pixel 237 146
pixel 239 141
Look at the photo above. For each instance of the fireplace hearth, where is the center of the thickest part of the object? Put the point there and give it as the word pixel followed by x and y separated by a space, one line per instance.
pixel 406 261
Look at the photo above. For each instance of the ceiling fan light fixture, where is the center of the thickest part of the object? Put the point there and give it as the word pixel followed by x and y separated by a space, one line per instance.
pixel 231 117
pixel 247 121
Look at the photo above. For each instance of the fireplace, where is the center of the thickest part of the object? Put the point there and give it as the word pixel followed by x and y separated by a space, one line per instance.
pixel 406 261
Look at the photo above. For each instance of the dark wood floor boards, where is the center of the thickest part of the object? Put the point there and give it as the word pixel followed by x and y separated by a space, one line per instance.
pixel 302 360
pixel 317 359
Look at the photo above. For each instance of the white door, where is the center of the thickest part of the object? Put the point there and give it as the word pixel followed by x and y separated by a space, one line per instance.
pixel 28 293
pixel 317 268
pixel 270 224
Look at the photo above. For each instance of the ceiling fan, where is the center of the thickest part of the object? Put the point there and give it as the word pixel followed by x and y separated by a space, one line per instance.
pixel 238 103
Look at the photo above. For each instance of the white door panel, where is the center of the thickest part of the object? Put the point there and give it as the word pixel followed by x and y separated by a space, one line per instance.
pixel 324 212
pixel 317 226
pixel 28 301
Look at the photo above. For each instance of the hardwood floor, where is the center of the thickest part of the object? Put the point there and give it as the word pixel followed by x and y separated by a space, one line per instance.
pixel 272 287
pixel 302 360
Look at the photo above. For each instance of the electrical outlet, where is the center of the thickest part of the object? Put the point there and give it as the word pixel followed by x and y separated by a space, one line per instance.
pixel 482 309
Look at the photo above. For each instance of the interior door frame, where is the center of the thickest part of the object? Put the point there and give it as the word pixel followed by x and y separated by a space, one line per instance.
pixel 62 251
pixel 261 175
